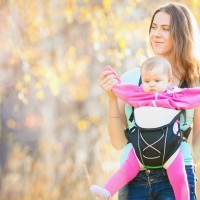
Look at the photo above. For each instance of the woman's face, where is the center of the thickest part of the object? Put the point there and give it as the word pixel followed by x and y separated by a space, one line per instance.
pixel 160 37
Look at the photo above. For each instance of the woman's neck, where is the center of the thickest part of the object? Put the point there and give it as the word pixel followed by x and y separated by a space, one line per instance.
pixel 176 73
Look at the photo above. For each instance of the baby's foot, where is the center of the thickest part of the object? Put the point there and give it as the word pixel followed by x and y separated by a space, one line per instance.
pixel 100 193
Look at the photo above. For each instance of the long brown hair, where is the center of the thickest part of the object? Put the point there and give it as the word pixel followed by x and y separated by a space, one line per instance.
pixel 182 29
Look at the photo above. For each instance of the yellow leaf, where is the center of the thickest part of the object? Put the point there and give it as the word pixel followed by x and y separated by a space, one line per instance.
pixel 27 78
pixel 107 4
pixel 40 95
pixel 54 86
pixel 82 124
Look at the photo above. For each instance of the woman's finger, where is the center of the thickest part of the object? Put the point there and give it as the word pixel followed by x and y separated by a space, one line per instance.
pixel 108 78
pixel 105 74
pixel 108 85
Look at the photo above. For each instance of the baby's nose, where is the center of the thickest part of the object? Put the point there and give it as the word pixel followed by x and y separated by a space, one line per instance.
pixel 151 83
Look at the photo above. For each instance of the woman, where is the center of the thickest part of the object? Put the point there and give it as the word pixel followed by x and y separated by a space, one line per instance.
pixel 171 35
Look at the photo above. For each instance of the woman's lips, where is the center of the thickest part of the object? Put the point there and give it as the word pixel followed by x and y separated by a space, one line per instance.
pixel 155 43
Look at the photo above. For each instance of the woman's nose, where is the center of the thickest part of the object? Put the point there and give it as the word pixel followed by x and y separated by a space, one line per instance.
pixel 157 32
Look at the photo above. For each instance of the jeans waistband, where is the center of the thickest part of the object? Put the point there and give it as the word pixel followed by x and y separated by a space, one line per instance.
pixel 161 170
pixel 153 170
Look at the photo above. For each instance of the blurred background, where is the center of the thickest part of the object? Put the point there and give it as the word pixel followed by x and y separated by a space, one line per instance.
pixel 53 125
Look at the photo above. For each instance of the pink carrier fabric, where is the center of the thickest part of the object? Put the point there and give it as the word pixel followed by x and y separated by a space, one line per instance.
pixel 173 98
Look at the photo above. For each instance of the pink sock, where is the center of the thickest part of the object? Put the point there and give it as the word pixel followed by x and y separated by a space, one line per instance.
pixel 178 178
pixel 127 172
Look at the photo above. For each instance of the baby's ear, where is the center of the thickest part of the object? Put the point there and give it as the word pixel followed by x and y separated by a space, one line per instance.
pixel 170 80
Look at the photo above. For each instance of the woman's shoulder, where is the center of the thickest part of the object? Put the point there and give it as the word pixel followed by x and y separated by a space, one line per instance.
pixel 131 76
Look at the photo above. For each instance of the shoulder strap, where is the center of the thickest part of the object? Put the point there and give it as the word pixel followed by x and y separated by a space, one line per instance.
pixel 140 81
pixel 186 133
pixel 184 84
pixel 131 118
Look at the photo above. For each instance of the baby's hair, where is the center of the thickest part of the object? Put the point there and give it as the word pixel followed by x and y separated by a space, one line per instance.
pixel 157 61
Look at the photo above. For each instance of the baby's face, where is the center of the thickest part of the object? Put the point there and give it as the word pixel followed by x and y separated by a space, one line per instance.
pixel 155 80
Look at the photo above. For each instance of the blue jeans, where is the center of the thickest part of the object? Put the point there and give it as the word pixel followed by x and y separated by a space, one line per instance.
pixel 154 184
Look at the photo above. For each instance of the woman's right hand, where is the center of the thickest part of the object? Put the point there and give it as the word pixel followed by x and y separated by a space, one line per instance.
pixel 107 81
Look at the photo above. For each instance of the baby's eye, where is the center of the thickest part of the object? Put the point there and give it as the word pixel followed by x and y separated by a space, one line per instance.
pixel 157 81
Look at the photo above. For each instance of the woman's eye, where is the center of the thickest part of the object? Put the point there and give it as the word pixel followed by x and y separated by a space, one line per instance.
pixel 153 27
pixel 166 28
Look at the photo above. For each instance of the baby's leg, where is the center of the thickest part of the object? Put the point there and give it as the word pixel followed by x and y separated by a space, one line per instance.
pixel 127 172
pixel 178 177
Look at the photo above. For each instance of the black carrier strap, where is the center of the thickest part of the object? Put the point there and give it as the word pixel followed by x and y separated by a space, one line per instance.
pixel 140 81
pixel 186 133
pixel 131 118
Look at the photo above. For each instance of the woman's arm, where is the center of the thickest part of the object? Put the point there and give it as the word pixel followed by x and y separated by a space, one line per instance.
pixel 117 123
pixel 116 115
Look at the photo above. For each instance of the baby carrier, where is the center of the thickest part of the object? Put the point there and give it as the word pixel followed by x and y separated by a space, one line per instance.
pixel 156 135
